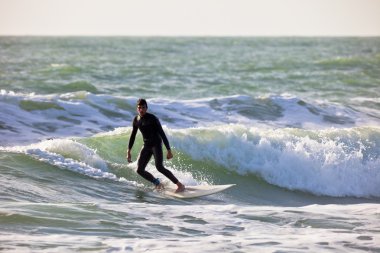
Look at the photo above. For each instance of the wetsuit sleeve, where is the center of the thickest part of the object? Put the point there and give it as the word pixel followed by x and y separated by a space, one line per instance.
pixel 133 134
pixel 162 134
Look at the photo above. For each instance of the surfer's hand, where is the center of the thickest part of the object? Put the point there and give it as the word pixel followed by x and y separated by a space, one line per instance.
pixel 169 155
pixel 129 157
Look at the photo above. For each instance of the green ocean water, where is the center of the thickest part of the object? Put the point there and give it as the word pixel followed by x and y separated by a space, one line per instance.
pixel 293 122
pixel 187 68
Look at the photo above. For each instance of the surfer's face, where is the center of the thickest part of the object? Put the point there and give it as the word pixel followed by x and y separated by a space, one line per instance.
pixel 141 109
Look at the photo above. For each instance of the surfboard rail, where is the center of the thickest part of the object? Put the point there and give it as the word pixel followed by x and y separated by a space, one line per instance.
pixel 196 191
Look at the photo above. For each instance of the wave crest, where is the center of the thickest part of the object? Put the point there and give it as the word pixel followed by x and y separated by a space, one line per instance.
pixel 335 162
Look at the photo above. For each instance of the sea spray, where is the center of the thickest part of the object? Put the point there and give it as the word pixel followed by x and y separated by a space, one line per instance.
pixel 83 113
pixel 67 154
pixel 322 162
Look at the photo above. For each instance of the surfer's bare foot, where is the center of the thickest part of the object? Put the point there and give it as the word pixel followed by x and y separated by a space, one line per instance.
pixel 180 188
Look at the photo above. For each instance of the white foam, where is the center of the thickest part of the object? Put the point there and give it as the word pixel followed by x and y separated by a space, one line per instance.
pixel 325 162
pixel 68 154
pixel 204 228
pixel 81 113
pixel 75 150
pixel 184 177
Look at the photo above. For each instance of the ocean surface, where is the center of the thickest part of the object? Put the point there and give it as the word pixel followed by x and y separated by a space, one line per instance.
pixel 293 122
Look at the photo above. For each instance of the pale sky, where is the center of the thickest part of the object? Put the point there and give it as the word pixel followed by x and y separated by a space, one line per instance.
pixel 191 17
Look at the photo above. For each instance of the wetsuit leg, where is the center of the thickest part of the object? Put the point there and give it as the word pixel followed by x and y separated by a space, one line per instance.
pixel 145 155
pixel 158 159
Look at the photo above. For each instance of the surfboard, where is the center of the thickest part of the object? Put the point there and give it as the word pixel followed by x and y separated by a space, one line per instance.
pixel 195 191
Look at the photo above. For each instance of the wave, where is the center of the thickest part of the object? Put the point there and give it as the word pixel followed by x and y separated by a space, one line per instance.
pixel 337 162
pixel 313 146
pixel 68 154
pixel 330 162
pixel 31 117
pixel 333 162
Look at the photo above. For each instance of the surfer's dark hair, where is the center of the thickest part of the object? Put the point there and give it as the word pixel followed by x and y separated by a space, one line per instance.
pixel 142 102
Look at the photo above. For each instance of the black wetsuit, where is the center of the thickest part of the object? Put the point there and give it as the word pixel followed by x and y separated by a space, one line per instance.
pixel 153 135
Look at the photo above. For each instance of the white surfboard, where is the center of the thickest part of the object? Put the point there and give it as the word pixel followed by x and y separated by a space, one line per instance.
pixel 195 191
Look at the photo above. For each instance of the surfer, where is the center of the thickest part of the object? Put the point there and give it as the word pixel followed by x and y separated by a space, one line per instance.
pixel 153 136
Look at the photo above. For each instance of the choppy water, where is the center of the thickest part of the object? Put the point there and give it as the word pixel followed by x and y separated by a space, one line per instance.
pixel 294 122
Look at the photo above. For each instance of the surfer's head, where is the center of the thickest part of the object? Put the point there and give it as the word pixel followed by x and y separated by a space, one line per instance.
pixel 142 106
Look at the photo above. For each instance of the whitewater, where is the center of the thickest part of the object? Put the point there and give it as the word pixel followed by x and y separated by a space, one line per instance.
pixel 293 122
